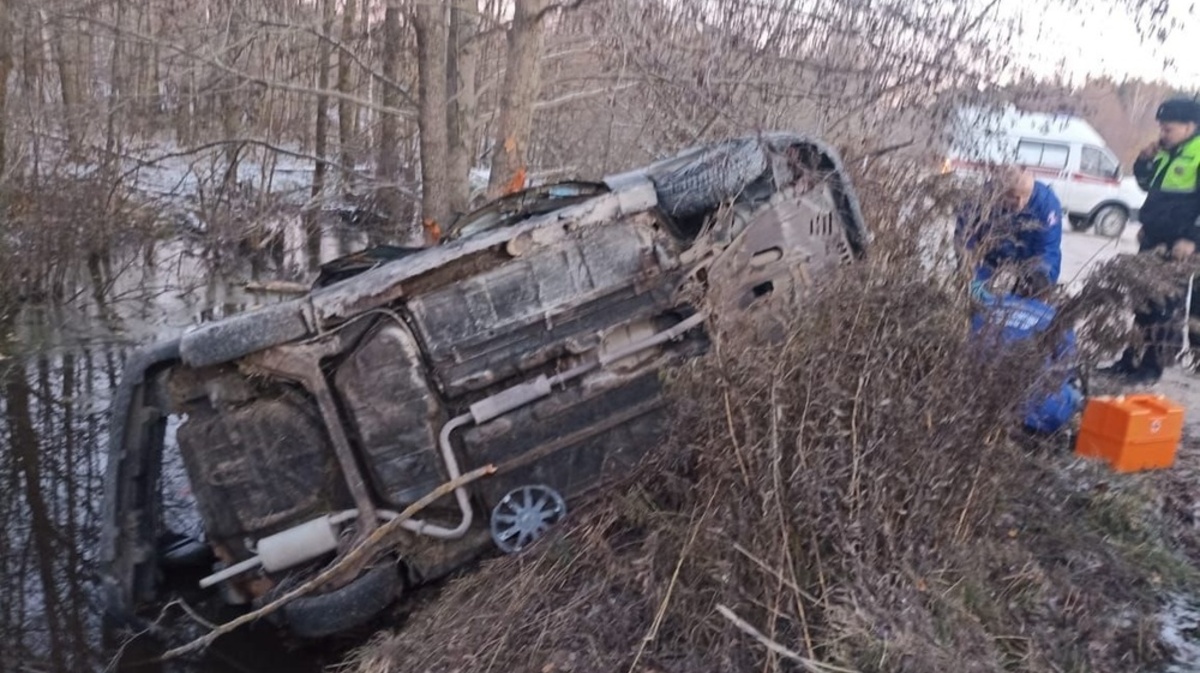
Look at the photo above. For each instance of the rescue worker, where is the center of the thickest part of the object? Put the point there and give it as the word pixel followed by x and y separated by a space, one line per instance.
pixel 1017 221
pixel 1167 170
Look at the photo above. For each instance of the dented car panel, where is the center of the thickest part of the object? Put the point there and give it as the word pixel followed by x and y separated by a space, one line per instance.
pixel 532 339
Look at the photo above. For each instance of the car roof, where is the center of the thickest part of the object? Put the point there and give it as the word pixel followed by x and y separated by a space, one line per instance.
pixel 1047 126
pixel 1058 127
pixel 1062 127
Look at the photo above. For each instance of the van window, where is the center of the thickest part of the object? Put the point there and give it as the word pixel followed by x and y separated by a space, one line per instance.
pixel 1042 155
pixel 1096 163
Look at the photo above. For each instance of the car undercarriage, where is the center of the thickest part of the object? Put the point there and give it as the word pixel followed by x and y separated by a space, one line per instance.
pixel 532 338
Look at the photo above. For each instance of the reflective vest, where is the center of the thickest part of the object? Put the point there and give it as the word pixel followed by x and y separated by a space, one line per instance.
pixel 1177 174
pixel 1172 205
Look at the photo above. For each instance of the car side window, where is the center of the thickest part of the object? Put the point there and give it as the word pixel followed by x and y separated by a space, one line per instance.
pixel 1042 155
pixel 1095 162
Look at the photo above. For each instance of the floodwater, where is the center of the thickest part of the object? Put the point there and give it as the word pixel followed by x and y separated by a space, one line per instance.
pixel 58 367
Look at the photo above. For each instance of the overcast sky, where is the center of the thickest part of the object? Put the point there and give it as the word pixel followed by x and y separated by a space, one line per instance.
pixel 1095 38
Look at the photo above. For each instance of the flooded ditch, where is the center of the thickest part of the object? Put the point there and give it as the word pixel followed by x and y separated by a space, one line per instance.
pixel 59 364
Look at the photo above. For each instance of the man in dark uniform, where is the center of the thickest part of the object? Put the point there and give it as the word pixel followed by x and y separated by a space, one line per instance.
pixel 1168 171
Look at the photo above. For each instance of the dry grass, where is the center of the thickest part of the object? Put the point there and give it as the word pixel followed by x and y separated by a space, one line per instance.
pixel 852 499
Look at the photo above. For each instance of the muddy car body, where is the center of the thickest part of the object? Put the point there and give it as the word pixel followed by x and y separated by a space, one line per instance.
pixel 532 338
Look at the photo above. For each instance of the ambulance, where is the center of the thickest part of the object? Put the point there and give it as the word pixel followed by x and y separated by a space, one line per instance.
pixel 1063 151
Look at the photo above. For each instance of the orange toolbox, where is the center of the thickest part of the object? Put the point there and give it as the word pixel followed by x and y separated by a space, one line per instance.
pixel 1131 432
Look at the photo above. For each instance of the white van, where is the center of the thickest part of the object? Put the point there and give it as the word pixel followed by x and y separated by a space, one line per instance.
pixel 1063 151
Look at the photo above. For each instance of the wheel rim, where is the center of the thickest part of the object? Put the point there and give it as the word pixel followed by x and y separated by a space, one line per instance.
pixel 1111 223
pixel 524 515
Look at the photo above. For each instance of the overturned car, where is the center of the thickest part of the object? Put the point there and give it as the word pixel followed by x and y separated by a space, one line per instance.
pixel 530 338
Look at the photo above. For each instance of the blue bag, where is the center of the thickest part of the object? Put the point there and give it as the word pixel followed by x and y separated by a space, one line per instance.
pixel 1019 319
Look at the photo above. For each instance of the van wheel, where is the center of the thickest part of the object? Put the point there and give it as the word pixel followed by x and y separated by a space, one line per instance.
pixel 1110 220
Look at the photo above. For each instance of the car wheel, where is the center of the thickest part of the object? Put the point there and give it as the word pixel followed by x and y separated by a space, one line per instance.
pixel 696 183
pixel 348 607
pixel 524 515
pixel 1110 221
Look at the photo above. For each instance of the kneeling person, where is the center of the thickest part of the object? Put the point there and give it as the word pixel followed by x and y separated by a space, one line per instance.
pixel 1016 220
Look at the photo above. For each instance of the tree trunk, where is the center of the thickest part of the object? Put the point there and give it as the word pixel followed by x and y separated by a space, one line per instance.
pixel 519 93
pixel 68 81
pixel 31 55
pixel 430 21
pixel 463 59
pixel 6 65
pixel 388 162
pixel 321 140
pixel 365 119
pixel 230 100
pixel 111 133
pixel 345 86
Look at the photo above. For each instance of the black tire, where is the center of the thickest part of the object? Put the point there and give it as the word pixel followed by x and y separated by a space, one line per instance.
pixel 699 181
pixel 349 607
pixel 245 333
pixel 1110 220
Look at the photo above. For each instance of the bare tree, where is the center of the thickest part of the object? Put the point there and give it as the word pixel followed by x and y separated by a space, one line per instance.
pixel 321 134
pixel 430 19
pixel 388 160
pixel 463 61
pixel 112 143
pixel 345 85
pixel 6 67
pixel 68 76
pixel 519 93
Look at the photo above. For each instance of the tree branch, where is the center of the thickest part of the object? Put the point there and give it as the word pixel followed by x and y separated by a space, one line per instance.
pixel 255 79
pixel 810 665
pixel 342 49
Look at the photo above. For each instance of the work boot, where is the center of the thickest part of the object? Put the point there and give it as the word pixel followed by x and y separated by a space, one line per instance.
pixel 1148 371
pixel 1146 375
pixel 1121 368
pixel 1151 369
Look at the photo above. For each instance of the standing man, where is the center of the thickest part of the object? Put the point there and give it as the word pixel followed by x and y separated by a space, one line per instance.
pixel 1018 221
pixel 1167 170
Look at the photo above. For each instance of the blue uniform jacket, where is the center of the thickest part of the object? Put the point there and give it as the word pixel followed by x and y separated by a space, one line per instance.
pixel 1034 232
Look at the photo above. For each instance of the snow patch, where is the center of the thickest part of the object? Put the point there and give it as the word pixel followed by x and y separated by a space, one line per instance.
pixel 1181 630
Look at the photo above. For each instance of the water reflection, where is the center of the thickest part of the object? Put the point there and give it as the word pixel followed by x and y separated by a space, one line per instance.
pixel 63 361
pixel 49 514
